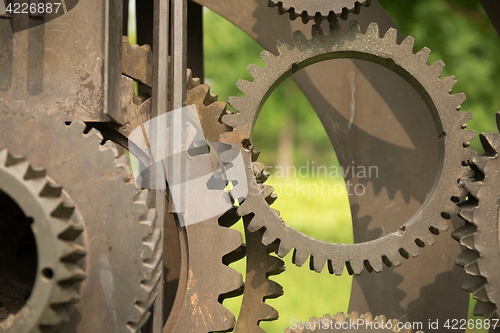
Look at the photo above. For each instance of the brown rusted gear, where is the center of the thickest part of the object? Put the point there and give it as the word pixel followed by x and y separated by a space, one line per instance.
pixel 438 208
pixel 350 323
pixel 122 264
pixel 479 235
pixel 318 10
pixel 50 215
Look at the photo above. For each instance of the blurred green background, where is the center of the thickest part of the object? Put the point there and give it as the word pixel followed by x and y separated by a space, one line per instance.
pixel 289 132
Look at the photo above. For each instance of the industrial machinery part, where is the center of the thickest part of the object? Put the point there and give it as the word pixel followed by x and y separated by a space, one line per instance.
pixel 479 235
pixel 433 215
pixel 351 323
pixel 37 285
pixel 318 9
pixel 123 242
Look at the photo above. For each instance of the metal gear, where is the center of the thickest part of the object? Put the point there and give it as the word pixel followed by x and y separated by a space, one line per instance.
pixel 432 216
pixel 49 214
pixel 205 279
pixel 480 235
pixel 318 10
pixel 120 288
pixel 350 323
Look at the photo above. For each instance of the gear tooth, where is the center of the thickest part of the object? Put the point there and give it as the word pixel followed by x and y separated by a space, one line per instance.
pixel 424 54
pixel 317 264
pixel 474 188
pixel 490 142
pixel 354 27
pixel 335 267
pixel 109 146
pixel 465 235
pixel 468 213
pixel 368 317
pixel 317 31
pixel 473 283
pixel 244 86
pixel 299 38
pixel 11 160
pixel 33 173
pixel 268 313
pixel 356 266
pixel 282 47
pixel 373 30
pixel 49 318
pixel 283 249
pixel 268 194
pixel 391 35
pixel 449 82
pixel 72 252
pixel 353 317
pixel 274 290
pixel 299 258
pixel 480 162
pixel 254 70
pixel 458 99
pixel 497 118
pixel 374 265
pixel 77 126
pixel 437 68
pixel 340 317
pixel 468 258
pixel 70 273
pixel 267 238
pixel 465 116
pixel 267 57
pixel 481 294
pixel 62 295
pixel 236 102
pixel 485 309
pixel 335 27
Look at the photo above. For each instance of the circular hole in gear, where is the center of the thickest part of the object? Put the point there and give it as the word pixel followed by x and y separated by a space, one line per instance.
pixel 18 257
pixel 48 273
pixel 369 159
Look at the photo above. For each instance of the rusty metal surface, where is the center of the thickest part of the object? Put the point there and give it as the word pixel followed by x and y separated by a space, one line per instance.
pixel 52 219
pixel 70 63
pixel 120 235
pixel 479 234
pixel 412 149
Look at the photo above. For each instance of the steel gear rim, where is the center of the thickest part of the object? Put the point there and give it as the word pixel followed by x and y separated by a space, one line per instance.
pixel 385 51
pixel 55 234
pixel 344 321
pixel 105 170
pixel 318 10
pixel 481 215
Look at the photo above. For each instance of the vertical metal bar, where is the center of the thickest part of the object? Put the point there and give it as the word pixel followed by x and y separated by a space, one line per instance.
pixel 159 107
pixel 177 164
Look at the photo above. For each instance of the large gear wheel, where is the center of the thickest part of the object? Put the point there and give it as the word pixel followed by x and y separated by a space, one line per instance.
pixel 49 215
pixel 479 235
pixel 351 323
pixel 123 258
pixel 318 9
pixel 432 216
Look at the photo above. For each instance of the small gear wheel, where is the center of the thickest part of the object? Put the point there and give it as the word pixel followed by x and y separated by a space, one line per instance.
pixel 44 209
pixel 480 234
pixel 318 10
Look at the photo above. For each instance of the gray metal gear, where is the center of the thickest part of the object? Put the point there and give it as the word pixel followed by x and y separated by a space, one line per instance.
pixel 351 323
pixel 49 215
pixel 123 258
pixel 318 9
pixel 438 208
pixel 479 235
